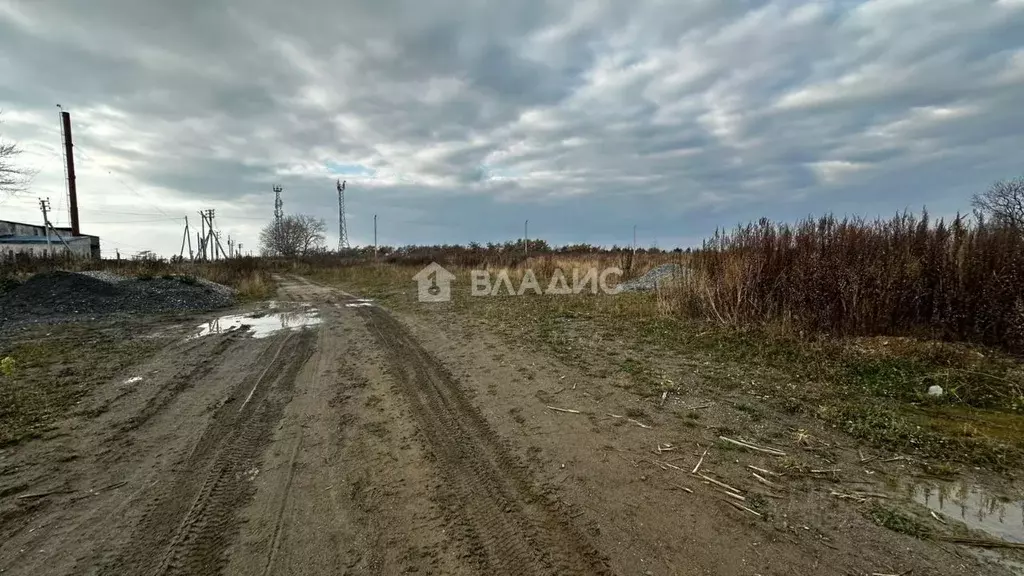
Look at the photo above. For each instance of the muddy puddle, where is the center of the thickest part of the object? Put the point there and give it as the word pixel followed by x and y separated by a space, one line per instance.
pixel 976 507
pixel 360 303
pixel 260 324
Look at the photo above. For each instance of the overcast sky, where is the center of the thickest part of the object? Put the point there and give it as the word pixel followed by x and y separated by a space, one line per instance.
pixel 456 120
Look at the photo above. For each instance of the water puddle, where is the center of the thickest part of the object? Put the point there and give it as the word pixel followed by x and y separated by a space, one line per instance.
pixel 360 303
pixel 974 506
pixel 260 325
pixel 133 380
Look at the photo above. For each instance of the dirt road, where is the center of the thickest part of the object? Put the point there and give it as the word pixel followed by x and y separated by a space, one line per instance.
pixel 348 448
pixel 340 448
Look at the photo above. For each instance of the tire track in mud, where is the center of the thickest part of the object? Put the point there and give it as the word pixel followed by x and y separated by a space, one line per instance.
pixel 275 542
pixel 185 377
pixel 191 517
pixel 509 526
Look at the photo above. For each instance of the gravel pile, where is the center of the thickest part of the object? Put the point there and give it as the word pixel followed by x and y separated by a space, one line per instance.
pixel 655 277
pixel 67 295
pixel 104 275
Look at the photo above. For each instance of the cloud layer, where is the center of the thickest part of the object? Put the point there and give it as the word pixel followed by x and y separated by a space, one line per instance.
pixel 456 120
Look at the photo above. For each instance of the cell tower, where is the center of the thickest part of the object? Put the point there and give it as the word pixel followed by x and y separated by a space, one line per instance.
pixel 342 228
pixel 278 206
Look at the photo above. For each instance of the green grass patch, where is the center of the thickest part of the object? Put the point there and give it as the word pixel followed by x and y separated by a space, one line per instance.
pixel 49 374
pixel 897 521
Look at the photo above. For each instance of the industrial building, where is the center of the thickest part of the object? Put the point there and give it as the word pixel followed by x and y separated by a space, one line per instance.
pixel 18 240
pixel 31 241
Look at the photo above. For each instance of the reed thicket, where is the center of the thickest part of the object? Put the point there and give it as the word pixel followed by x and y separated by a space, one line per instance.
pixel 908 275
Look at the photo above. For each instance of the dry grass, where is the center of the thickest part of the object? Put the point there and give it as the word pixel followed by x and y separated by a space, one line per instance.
pixel 874 388
pixel 903 276
pixel 511 255
pixel 254 287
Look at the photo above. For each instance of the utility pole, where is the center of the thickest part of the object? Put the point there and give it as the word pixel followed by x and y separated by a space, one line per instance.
pixel 216 238
pixel 202 236
pixel 218 250
pixel 211 236
pixel 374 237
pixel 44 205
pixel 526 238
pixel 70 159
pixel 634 238
pixel 191 256
pixel 181 252
pixel 185 237
pixel 209 240
pixel 342 227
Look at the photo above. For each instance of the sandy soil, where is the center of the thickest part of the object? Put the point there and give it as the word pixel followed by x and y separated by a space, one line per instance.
pixel 383 443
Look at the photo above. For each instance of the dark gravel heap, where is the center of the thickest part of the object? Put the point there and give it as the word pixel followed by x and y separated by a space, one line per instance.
pixel 66 295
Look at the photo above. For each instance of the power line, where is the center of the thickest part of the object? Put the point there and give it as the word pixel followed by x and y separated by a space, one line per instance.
pixel 153 214
pixel 123 183
pixel 246 218
pixel 137 221
pixel 122 244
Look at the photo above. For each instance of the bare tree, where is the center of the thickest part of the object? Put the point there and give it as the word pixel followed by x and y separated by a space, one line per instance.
pixel 1003 202
pixel 295 236
pixel 13 178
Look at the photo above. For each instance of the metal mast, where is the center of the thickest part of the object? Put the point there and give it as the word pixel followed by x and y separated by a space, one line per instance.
pixel 278 218
pixel 278 206
pixel 342 227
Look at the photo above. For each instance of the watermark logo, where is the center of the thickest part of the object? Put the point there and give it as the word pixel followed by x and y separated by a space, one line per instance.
pixel 434 283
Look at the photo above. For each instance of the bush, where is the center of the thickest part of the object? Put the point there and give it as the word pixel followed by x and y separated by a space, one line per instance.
pixel 256 286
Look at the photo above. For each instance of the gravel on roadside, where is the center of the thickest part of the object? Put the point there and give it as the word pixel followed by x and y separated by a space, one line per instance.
pixel 58 296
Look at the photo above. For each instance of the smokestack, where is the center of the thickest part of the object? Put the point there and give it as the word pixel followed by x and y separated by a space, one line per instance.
pixel 72 190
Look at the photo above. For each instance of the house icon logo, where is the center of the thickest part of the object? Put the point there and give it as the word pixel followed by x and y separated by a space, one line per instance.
pixel 434 284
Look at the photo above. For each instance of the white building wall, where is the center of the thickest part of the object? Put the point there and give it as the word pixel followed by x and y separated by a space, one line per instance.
pixel 79 247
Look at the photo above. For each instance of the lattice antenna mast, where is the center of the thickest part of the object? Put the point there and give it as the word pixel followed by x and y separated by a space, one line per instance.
pixel 278 217
pixel 342 227
pixel 278 205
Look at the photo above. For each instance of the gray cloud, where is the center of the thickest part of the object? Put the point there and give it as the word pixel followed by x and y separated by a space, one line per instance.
pixel 462 118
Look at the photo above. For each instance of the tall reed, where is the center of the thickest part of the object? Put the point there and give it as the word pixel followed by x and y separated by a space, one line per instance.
pixel 907 275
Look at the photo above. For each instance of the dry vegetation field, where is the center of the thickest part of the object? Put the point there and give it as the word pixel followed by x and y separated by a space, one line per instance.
pixel 850 321
pixel 856 318
pixel 815 343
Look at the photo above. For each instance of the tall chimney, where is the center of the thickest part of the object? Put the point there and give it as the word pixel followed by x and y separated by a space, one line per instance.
pixel 72 191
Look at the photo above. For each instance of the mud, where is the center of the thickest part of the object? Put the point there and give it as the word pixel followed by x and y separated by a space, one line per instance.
pixel 370 442
pixel 510 526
